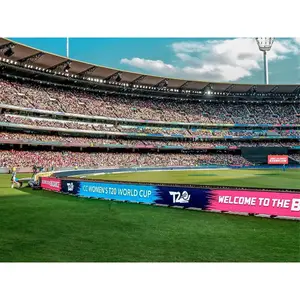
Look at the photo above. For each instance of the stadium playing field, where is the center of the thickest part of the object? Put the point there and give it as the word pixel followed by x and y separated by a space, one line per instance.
pixel 289 179
pixel 45 226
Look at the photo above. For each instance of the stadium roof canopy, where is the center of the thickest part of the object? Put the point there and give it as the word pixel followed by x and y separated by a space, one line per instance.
pixel 47 61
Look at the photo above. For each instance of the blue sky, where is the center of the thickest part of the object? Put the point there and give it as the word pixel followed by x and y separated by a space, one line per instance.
pixel 221 60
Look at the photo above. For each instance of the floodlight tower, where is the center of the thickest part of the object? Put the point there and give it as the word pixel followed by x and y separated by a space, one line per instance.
pixel 265 45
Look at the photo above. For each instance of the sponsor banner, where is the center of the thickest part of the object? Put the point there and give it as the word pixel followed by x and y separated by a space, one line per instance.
pixel 269 203
pixel 121 192
pixel 186 197
pixel 278 159
pixel 53 184
pixel 256 202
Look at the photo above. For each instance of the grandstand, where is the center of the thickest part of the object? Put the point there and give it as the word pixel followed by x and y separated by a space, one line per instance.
pixel 52 107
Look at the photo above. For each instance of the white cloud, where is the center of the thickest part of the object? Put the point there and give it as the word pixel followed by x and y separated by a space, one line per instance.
pixel 188 47
pixel 216 60
pixel 297 40
pixel 216 73
pixel 150 65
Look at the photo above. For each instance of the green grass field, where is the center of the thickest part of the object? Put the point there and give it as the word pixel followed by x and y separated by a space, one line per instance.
pixel 43 226
pixel 289 179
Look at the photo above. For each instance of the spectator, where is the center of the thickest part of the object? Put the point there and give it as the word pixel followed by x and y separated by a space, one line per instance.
pixel 104 159
pixel 32 95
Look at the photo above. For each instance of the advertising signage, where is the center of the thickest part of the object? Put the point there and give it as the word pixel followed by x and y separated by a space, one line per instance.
pixel 52 184
pixel 256 202
pixel 278 159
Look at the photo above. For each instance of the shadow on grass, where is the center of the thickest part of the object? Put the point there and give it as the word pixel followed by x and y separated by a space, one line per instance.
pixel 268 174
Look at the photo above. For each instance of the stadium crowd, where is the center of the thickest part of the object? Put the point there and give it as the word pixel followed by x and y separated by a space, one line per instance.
pixel 295 156
pixel 57 138
pixel 31 95
pixel 49 159
pixel 26 137
pixel 53 123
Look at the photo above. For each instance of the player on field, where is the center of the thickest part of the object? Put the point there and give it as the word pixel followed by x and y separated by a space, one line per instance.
pixel 14 179
pixel 34 171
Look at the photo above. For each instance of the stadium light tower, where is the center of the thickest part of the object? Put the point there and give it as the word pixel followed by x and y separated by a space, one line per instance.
pixel 265 45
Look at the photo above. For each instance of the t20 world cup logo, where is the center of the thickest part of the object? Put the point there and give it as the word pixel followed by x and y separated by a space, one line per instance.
pixel 70 186
pixel 178 197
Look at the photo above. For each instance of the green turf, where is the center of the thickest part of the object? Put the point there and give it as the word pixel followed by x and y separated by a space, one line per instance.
pixel 45 226
pixel 289 179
